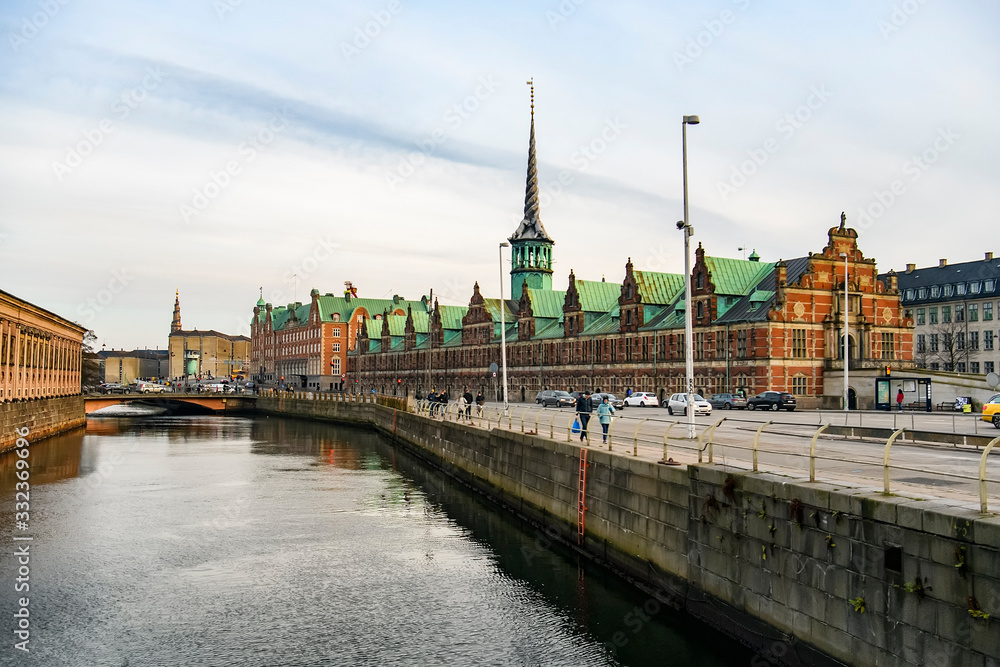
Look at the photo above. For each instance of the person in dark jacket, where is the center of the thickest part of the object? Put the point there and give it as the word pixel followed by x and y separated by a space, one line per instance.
pixel 480 402
pixel 583 410
pixel 468 403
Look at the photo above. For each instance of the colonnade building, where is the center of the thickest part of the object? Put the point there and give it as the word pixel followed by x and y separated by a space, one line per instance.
pixel 40 352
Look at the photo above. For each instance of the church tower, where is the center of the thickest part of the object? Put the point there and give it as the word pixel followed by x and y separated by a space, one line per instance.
pixel 531 246
pixel 175 325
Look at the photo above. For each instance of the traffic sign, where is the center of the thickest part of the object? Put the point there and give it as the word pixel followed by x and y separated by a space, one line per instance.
pixel 494 368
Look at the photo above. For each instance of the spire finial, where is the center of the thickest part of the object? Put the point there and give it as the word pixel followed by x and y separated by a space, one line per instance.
pixel 531 82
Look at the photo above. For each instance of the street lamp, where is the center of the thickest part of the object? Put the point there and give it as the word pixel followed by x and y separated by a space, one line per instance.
pixel 503 330
pixel 685 226
pixel 847 358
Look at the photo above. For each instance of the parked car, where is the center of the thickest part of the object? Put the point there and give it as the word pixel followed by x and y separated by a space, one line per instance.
pixel 678 403
pixel 150 388
pixel 554 397
pixel 642 399
pixel 772 400
pixel 991 410
pixel 114 388
pixel 728 401
pixel 616 403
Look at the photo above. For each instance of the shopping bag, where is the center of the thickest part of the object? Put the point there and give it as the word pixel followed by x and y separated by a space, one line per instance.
pixel 576 426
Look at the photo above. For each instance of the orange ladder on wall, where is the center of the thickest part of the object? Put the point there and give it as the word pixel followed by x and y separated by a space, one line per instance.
pixel 582 495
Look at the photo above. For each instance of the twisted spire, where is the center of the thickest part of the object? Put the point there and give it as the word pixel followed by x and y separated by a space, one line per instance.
pixel 531 226
pixel 531 185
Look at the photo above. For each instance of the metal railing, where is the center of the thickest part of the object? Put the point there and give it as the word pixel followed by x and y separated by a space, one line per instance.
pixel 658 430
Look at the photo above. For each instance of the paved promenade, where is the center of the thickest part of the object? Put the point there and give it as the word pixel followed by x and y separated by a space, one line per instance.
pixel 917 470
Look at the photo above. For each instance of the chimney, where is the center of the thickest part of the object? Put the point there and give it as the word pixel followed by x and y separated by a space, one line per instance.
pixel 942 262
pixel 911 268
pixel 989 256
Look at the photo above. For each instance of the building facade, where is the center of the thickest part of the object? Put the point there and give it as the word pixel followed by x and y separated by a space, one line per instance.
pixel 126 366
pixel 40 352
pixel 953 307
pixel 306 346
pixel 757 326
pixel 205 354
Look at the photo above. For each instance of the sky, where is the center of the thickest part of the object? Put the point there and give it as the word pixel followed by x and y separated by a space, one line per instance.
pixel 217 147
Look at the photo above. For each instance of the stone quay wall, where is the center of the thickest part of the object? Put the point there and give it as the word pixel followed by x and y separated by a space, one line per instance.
pixel 44 417
pixel 806 573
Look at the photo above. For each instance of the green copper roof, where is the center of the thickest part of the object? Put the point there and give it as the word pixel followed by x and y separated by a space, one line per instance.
pixel 493 308
pixel 451 316
pixel 598 296
pixel 552 329
pixel 547 303
pixel 659 288
pixel 736 276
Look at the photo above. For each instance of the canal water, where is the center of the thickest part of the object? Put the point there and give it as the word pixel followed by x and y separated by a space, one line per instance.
pixel 229 541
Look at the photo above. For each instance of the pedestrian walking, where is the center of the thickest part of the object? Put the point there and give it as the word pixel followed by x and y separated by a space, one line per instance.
pixel 604 412
pixel 583 410
pixel 480 402
pixel 468 403
pixel 899 398
pixel 463 407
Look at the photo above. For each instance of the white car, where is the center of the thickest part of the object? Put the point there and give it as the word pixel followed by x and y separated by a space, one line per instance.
pixel 678 403
pixel 641 399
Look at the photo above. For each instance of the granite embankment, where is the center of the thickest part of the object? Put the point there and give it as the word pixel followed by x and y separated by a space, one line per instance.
pixel 807 573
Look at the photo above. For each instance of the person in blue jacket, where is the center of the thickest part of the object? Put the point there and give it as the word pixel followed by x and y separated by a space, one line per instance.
pixel 604 412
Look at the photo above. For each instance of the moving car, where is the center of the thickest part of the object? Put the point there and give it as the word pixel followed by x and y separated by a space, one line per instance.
pixel 150 388
pixel 114 388
pixel 991 410
pixel 678 403
pixel 772 400
pixel 555 397
pixel 728 401
pixel 642 399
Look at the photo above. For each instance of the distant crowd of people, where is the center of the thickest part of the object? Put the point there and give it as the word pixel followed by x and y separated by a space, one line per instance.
pixel 438 401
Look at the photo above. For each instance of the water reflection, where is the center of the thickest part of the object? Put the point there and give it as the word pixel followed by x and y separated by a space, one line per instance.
pixel 176 540
pixel 50 460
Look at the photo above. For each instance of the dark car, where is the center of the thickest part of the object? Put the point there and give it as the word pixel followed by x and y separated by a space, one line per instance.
pixel 115 388
pixel 728 401
pixel 616 403
pixel 555 397
pixel 772 400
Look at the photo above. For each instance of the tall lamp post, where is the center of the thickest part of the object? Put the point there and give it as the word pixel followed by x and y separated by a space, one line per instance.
pixel 503 330
pixel 685 226
pixel 847 356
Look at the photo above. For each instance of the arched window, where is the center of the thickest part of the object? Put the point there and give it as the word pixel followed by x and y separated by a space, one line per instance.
pixel 700 280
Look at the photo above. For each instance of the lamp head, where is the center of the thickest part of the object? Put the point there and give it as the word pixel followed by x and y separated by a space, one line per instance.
pixel 691 120
pixel 504 245
pixel 844 255
pixel 680 224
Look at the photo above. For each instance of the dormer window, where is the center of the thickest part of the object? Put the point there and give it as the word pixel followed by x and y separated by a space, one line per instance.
pixel 700 282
